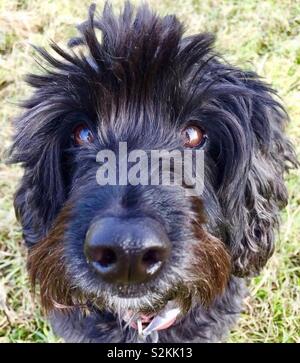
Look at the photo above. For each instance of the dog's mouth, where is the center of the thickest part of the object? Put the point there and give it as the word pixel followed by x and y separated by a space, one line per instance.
pixel 146 324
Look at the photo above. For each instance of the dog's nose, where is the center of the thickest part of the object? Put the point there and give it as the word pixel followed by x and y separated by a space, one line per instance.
pixel 127 251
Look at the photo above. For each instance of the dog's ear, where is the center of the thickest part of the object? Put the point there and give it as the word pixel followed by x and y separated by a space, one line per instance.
pixel 252 203
pixel 37 147
pixel 248 150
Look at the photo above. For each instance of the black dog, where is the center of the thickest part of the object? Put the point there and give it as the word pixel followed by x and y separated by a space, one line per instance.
pixel 125 263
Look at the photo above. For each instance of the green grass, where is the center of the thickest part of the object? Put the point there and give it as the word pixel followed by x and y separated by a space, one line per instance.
pixel 262 35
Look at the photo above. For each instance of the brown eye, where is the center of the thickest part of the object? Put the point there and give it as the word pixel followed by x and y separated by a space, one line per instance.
pixel 193 136
pixel 82 135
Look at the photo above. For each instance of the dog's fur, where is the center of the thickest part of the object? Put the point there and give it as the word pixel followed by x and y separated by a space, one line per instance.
pixel 142 83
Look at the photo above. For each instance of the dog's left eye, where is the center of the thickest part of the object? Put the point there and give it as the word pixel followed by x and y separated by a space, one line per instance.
pixel 82 135
pixel 193 136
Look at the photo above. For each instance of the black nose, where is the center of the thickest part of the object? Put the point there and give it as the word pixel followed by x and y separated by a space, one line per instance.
pixel 127 251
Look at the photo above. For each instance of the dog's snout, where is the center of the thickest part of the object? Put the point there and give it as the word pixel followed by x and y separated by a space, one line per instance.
pixel 127 251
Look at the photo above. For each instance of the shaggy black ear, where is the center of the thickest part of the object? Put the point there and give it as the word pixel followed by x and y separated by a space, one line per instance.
pixel 253 213
pixel 249 154
pixel 38 148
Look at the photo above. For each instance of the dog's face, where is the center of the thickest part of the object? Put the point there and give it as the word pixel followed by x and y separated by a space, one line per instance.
pixel 133 248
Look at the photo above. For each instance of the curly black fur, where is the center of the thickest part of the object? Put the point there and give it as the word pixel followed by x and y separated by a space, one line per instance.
pixel 142 82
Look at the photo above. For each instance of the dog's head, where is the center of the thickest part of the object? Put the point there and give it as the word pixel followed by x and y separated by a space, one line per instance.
pixel 134 81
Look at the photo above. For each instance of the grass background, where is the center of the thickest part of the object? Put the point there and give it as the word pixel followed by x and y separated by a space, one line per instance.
pixel 261 35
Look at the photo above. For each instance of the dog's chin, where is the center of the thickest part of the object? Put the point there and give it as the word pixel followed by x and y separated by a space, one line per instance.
pixel 151 311
pixel 144 314
pixel 154 321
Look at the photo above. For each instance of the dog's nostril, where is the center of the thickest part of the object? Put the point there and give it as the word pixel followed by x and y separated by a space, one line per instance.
pixel 152 258
pixel 106 257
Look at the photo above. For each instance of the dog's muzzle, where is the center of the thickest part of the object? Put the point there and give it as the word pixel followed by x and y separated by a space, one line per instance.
pixel 130 252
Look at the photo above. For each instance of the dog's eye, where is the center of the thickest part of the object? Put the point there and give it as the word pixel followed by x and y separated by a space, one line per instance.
pixel 192 136
pixel 82 135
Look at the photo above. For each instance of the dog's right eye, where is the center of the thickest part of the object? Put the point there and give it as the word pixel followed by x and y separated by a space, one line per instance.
pixel 82 135
pixel 193 136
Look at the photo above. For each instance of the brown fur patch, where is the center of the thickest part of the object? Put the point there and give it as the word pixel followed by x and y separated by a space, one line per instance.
pixel 210 262
pixel 46 266
pixel 210 266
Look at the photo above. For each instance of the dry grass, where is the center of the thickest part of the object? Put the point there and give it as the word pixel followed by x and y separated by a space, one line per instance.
pixel 264 35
